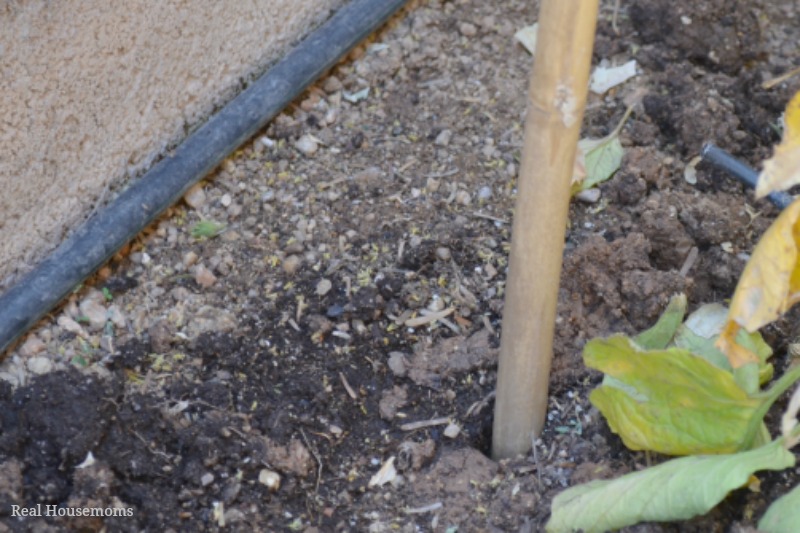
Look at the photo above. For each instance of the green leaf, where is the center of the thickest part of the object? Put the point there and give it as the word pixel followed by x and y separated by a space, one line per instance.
pixel 602 157
pixel 676 490
pixel 660 335
pixel 783 515
pixel 672 401
pixel 207 229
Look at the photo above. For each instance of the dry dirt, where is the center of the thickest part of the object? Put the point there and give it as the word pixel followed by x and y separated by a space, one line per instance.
pixel 257 379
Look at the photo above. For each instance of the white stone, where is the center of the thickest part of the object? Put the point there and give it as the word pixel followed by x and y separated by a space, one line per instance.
pixel 307 145
pixel 323 287
pixel 270 479
pixel 39 365
pixel 452 431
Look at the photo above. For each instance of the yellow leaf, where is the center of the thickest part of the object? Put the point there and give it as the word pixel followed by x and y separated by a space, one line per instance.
pixel 769 286
pixel 782 170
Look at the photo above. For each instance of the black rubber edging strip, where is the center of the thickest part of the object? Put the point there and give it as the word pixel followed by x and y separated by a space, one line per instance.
pixel 107 231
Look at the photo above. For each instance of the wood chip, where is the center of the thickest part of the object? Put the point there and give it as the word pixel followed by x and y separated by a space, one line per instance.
pixel 425 509
pixel 347 387
pixel 490 217
pixel 429 317
pixel 691 259
pixel 411 426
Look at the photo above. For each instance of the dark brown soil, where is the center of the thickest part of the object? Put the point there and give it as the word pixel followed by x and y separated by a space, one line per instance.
pixel 213 387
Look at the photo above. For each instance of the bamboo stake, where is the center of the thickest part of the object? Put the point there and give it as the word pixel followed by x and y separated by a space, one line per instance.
pixel 556 100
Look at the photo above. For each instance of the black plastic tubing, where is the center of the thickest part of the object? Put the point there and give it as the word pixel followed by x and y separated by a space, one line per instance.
pixel 101 236
pixel 725 161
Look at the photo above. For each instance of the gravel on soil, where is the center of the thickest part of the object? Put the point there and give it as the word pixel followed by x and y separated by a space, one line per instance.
pixel 326 305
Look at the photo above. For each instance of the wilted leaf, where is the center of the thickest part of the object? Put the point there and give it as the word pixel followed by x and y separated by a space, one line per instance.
pixel 674 402
pixel 690 170
pixel 659 336
pixel 385 475
pixel 527 37
pixel 357 96
pixel 596 160
pixel 605 78
pixel 602 157
pixel 783 515
pixel 782 170
pixel 675 490
pixel 768 287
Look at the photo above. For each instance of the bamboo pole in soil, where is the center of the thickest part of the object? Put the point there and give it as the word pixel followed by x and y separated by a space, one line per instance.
pixel 556 100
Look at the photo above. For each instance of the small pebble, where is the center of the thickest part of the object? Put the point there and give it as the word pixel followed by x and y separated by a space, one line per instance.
pixel 294 247
pixel 115 315
pixel 67 324
pixel 307 145
pixel 160 334
pixel 225 200
pixel 107 344
pixel 443 253
pixel 467 29
pixel 589 196
pixel 443 139
pixel 292 264
pixel 436 304
pixel 452 431
pixel 189 259
pixel 32 346
pixel 94 312
pixel 331 84
pixel 331 115
pixel 268 196
pixel 397 364
pixel 323 287
pixel 195 197
pixel 484 193
pixel 207 479
pixel 204 277
pixel 334 311
pixel 39 365
pixel 270 479
pixel 463 198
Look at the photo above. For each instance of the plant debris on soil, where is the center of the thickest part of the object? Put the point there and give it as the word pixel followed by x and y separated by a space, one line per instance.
pixel 309 341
